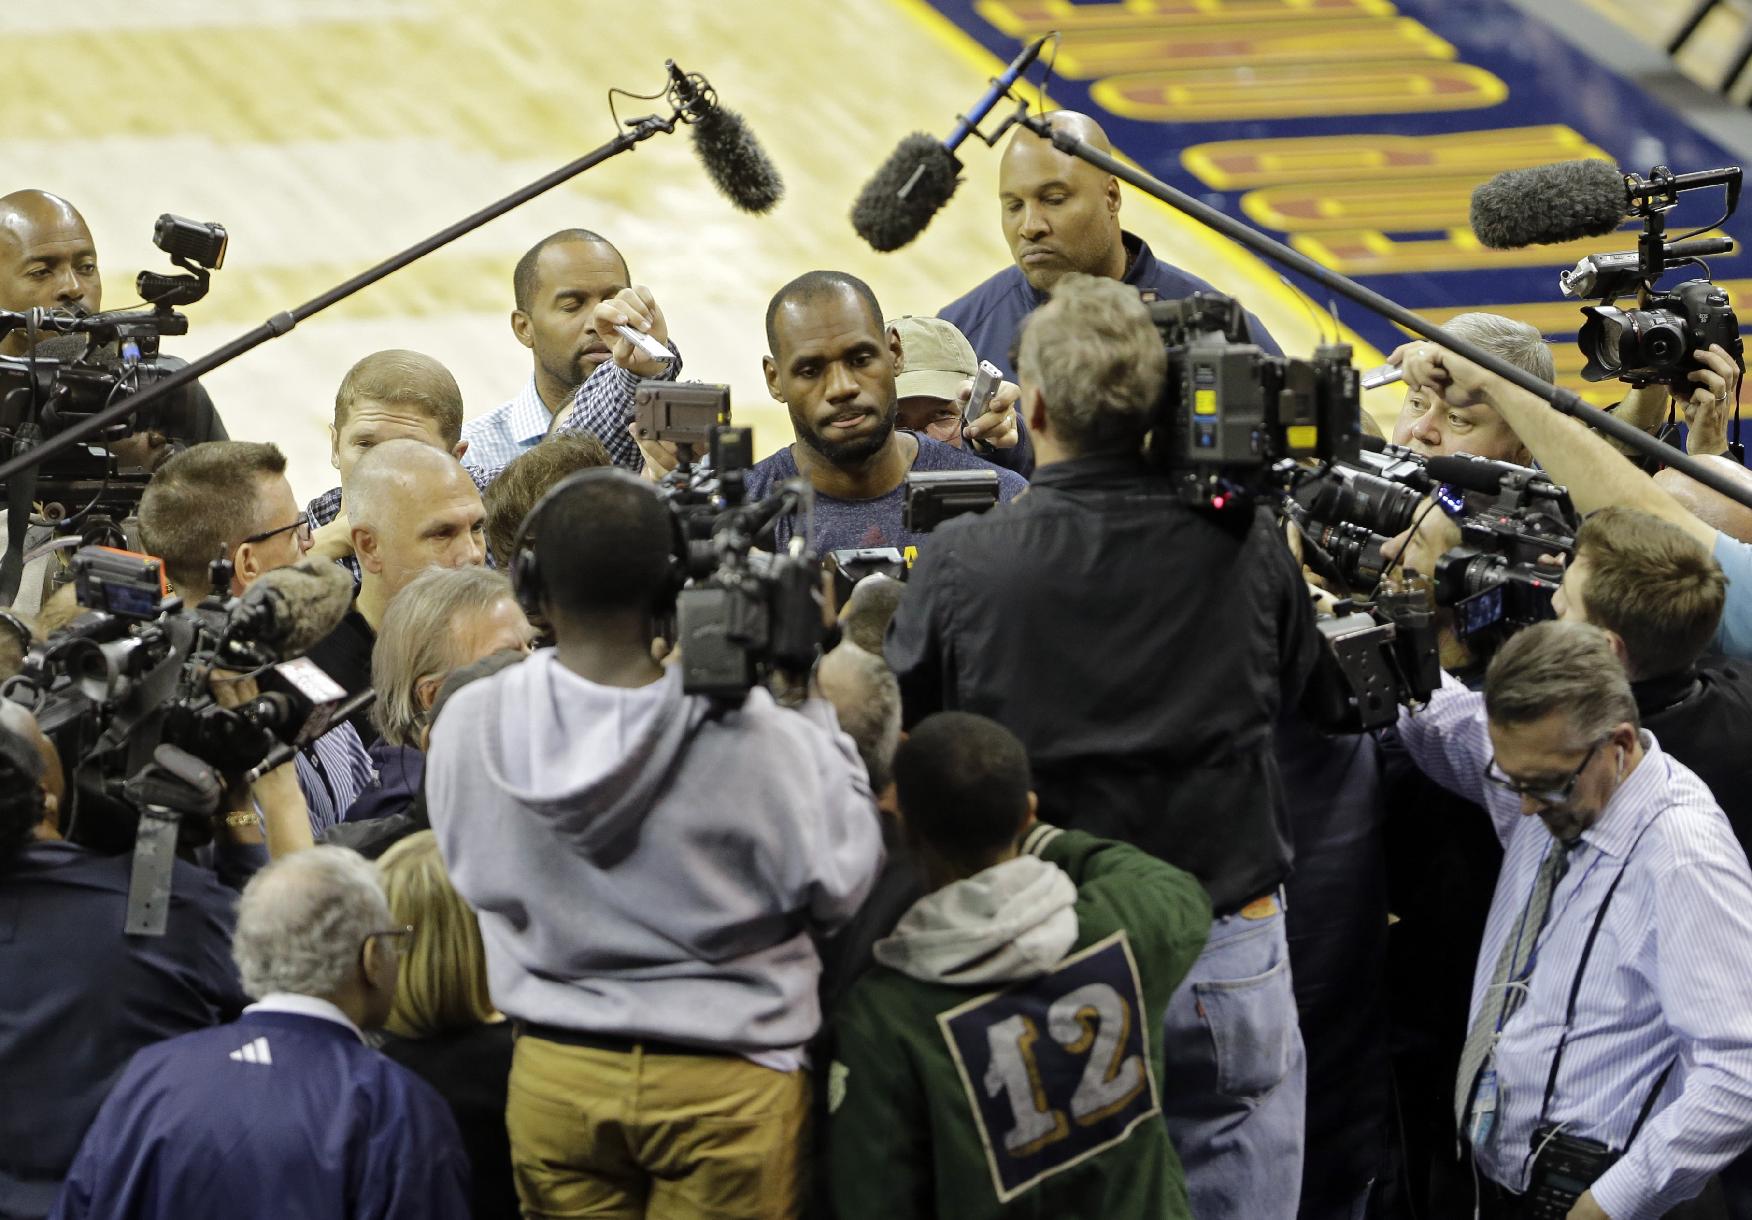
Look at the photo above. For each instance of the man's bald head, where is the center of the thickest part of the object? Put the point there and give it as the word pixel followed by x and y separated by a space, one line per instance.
pixel 1060 214
pixel 47 259
pixel 1708 505
pixel 413 507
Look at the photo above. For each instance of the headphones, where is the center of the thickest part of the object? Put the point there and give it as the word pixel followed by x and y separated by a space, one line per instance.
pixel 526 571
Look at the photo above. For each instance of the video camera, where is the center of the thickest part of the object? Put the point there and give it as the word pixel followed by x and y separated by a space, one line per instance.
pixel 1510 519
pixel 125 694
pixel 1654 342
pixel 1231 415
pixel 743 617
pixel 77 364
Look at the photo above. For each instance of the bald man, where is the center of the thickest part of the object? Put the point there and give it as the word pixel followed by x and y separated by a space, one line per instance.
pixel 1060 215
pixel 410 506
pixel 48 260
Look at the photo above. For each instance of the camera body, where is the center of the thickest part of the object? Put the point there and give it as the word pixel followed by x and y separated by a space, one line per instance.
pixel 742 616
pixel 1230 413
pixel 1510 518
pixel 1654 343
pixel 1377 656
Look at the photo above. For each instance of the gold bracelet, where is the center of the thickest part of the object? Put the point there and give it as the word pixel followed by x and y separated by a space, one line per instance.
pixel 240 819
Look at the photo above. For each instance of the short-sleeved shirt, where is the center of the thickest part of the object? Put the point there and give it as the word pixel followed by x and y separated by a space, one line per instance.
pixel 1734 636
pixel 844 524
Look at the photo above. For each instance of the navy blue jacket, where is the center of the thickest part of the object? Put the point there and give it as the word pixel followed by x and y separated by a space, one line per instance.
pixel 278 1114
pixel 991 316
pixel 80 998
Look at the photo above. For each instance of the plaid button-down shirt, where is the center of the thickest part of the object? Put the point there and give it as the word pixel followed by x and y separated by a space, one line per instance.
pixel 508 430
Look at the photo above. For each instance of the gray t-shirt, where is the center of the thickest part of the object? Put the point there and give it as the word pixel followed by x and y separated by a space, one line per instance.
pixel 845 524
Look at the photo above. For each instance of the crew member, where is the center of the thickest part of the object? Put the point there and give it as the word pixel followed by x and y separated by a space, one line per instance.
pixel 1188 633
pixel 1608 1003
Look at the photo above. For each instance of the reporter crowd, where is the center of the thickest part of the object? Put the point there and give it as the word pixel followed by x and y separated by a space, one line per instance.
pixel 1046 894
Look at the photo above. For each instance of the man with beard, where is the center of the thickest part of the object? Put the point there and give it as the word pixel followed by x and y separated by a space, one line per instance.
pixel 557 286
pixel 833 366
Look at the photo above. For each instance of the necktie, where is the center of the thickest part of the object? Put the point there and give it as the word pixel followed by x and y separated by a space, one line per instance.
pixel 1511 964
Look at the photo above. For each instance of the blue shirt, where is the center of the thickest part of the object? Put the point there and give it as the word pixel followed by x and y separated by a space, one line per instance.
pixel 81 997
pixel 506 431
pixel 1734 636
pixel 841 524
pixel 1666 981
pixel 280 1113
pixel 991 316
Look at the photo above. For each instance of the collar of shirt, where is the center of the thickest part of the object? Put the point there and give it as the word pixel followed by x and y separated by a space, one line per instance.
pixel 1089 470
pixel 304 1006
pixel 525 419
pixel 1637 800
pixel 1138 259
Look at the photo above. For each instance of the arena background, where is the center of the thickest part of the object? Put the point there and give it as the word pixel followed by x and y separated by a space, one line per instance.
pixel 326 134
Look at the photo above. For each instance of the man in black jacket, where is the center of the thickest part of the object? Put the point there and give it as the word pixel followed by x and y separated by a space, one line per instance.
pixel 1176 637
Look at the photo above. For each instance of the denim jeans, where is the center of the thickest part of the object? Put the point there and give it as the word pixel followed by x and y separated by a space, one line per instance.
pixel 1234 1073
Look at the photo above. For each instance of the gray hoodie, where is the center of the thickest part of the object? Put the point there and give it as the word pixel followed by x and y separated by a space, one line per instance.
pixel 645 865
pixel 1014 921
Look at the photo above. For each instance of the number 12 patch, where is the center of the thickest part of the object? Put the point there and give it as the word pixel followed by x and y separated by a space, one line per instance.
pixel 1056 1069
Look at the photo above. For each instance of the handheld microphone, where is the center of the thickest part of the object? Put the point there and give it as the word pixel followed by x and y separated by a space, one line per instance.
pixel 733 158
pixel 922 173
pixel 290 610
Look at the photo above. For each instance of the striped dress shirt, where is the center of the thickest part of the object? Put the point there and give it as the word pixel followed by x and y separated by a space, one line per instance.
pixel 332 771
pixel 1669 978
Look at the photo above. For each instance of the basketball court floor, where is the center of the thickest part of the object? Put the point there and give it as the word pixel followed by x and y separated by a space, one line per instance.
pixel 327 134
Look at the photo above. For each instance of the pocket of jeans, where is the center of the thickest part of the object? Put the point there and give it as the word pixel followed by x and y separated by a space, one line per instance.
pixel 1252 1024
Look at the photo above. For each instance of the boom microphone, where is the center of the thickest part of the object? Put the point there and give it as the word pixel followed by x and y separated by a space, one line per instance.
pixel 290 610
pixel 733 158
pixel 1550 204
pixel 923 172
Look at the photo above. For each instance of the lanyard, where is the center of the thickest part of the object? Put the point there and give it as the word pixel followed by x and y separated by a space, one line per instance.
pixel 1576 990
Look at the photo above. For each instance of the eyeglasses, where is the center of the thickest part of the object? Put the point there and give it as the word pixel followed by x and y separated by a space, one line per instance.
pixel 301 524
pixel 406 929
pixel 1543 793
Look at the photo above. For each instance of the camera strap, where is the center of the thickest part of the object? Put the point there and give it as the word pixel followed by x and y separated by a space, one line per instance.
pixel 1576 991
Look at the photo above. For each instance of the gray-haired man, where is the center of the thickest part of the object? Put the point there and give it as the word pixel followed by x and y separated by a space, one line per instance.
pixel 286 1111
pixel 1611 1004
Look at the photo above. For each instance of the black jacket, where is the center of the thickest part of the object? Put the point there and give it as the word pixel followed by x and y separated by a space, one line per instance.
pixel 1703 718
pixel 1140 649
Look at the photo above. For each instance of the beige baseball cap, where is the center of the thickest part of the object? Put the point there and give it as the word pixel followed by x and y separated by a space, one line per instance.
pixel 935 358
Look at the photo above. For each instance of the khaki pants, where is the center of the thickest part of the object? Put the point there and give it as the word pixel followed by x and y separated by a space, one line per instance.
pixel 670 1137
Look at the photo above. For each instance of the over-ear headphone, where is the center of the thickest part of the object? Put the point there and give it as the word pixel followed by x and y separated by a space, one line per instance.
pixel 526 573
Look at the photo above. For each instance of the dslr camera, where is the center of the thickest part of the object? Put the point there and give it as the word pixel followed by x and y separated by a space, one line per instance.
pixel 1653 342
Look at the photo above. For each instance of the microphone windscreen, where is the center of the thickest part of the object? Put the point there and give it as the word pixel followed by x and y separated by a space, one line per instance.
pixel 1371 442
pixel 290 610
pixel 735 161
pixel 889 221
pixel 1549 204
pixel 62 347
